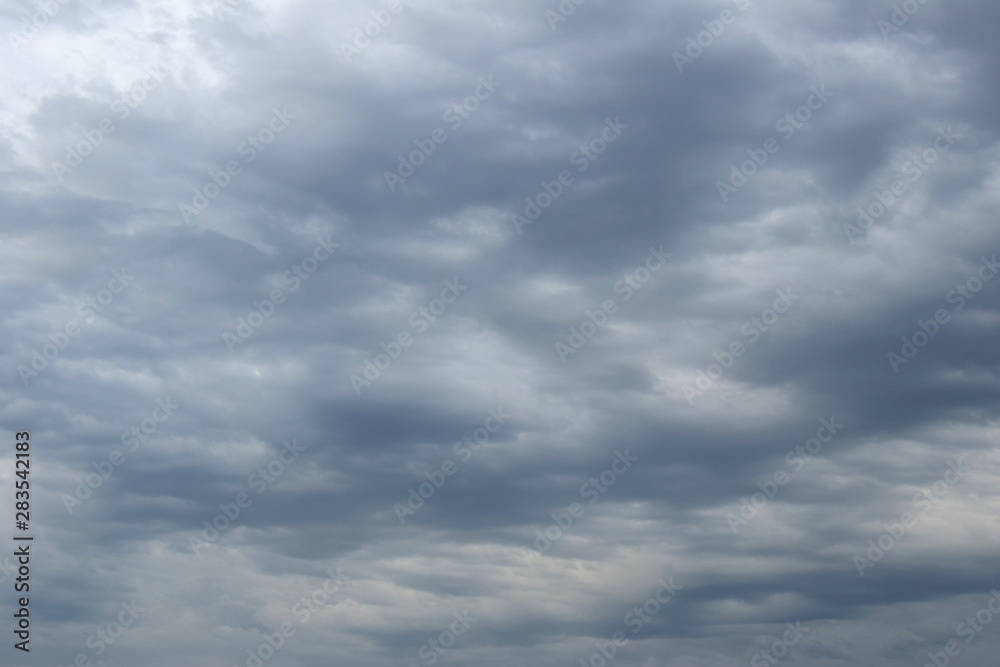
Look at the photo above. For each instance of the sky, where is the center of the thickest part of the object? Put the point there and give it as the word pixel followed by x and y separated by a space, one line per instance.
pixel 501 333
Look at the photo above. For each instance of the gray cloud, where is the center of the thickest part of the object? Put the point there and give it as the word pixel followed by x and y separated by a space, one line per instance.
pixel 579 147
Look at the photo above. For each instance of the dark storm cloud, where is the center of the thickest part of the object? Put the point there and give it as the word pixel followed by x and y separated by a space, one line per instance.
pixel 293 202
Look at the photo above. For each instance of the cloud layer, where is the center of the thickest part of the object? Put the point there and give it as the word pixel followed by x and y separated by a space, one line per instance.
pixel 504 333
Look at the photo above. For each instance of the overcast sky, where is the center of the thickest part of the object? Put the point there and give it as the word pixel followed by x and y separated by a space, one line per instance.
pixel 502 333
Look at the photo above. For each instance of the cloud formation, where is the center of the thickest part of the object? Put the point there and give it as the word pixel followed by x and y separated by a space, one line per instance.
pixel 647 333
